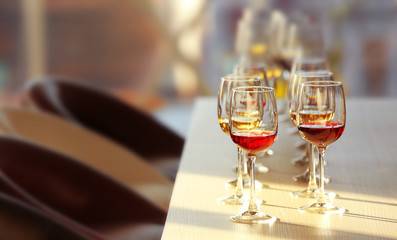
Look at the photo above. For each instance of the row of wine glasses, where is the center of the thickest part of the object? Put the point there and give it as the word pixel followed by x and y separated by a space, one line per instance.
pixel 247 112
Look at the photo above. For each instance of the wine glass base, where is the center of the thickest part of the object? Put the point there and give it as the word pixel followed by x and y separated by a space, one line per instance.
pixel 312 193
pixel 323 208
pixel 250 217
pixel 234 199
pixel 304 177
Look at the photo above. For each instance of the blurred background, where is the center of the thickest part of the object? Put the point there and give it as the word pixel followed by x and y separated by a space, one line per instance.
pixel 159 55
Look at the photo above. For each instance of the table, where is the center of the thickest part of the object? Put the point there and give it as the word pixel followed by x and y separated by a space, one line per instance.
pixel 362 165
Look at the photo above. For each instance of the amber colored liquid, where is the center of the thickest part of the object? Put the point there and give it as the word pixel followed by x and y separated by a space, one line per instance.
pixel 246 113
pixel 281 88
pixel 308 116
pixel 246 123
pixel 273 73
pixel 253 141
pixel 224 123
pixel 281 85
pixel 321 134
pixel 258 49
pixel 293 117
pixel 262 75
pixel 313 116
pixel 256 71
pixel 242 123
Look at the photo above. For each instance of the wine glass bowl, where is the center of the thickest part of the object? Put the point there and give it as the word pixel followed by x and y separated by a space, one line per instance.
pixel 253 128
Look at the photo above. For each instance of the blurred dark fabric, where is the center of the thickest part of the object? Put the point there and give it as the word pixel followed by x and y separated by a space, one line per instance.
pixel 102 112
pixel 20 221
pixel 73 193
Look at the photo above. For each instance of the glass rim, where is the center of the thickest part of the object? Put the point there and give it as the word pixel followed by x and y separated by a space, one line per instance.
pixel 241 77
pixel 259 89
pixel 325 83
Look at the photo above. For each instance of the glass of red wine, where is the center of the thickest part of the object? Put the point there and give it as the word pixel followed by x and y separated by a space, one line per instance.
pixel 256 68
pixel 309 175
pixel 228 83
pixel 325 100
pixel 302 64
pixel 253 127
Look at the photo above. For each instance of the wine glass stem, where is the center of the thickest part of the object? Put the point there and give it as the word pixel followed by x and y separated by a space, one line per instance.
pixel 321 198
pixel 252 207
pixel 239 186
pixel 312 169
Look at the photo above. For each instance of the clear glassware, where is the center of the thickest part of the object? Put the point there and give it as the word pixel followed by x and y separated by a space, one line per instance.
pixel 301 77
pixel 268 76
pixel 253 127
pixel 321 119
pixel 302 64
pixel 253 69
pixel 226 86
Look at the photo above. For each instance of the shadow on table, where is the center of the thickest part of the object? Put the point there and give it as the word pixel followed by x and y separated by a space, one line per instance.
pixel 367 201
pixel 337 196
pixel 346 214
pixel 279 229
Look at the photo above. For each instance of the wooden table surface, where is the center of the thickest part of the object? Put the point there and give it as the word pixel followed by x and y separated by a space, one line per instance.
pixel 362 165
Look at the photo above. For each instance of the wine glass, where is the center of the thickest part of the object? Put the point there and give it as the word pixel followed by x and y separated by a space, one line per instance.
pixel 306 64
pixel 321 118
pixel 227 84
pixel 310 174
pixel 259 168
pixel 253 69
pixel 303 76
pixel 269 78
pixel 253 127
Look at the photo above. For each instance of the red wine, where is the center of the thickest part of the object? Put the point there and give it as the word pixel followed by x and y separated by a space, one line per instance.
pixel 253 141
pixel 321 134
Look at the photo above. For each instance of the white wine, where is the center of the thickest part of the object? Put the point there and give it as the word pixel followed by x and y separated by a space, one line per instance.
pixel 246 123
pixel 224 122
